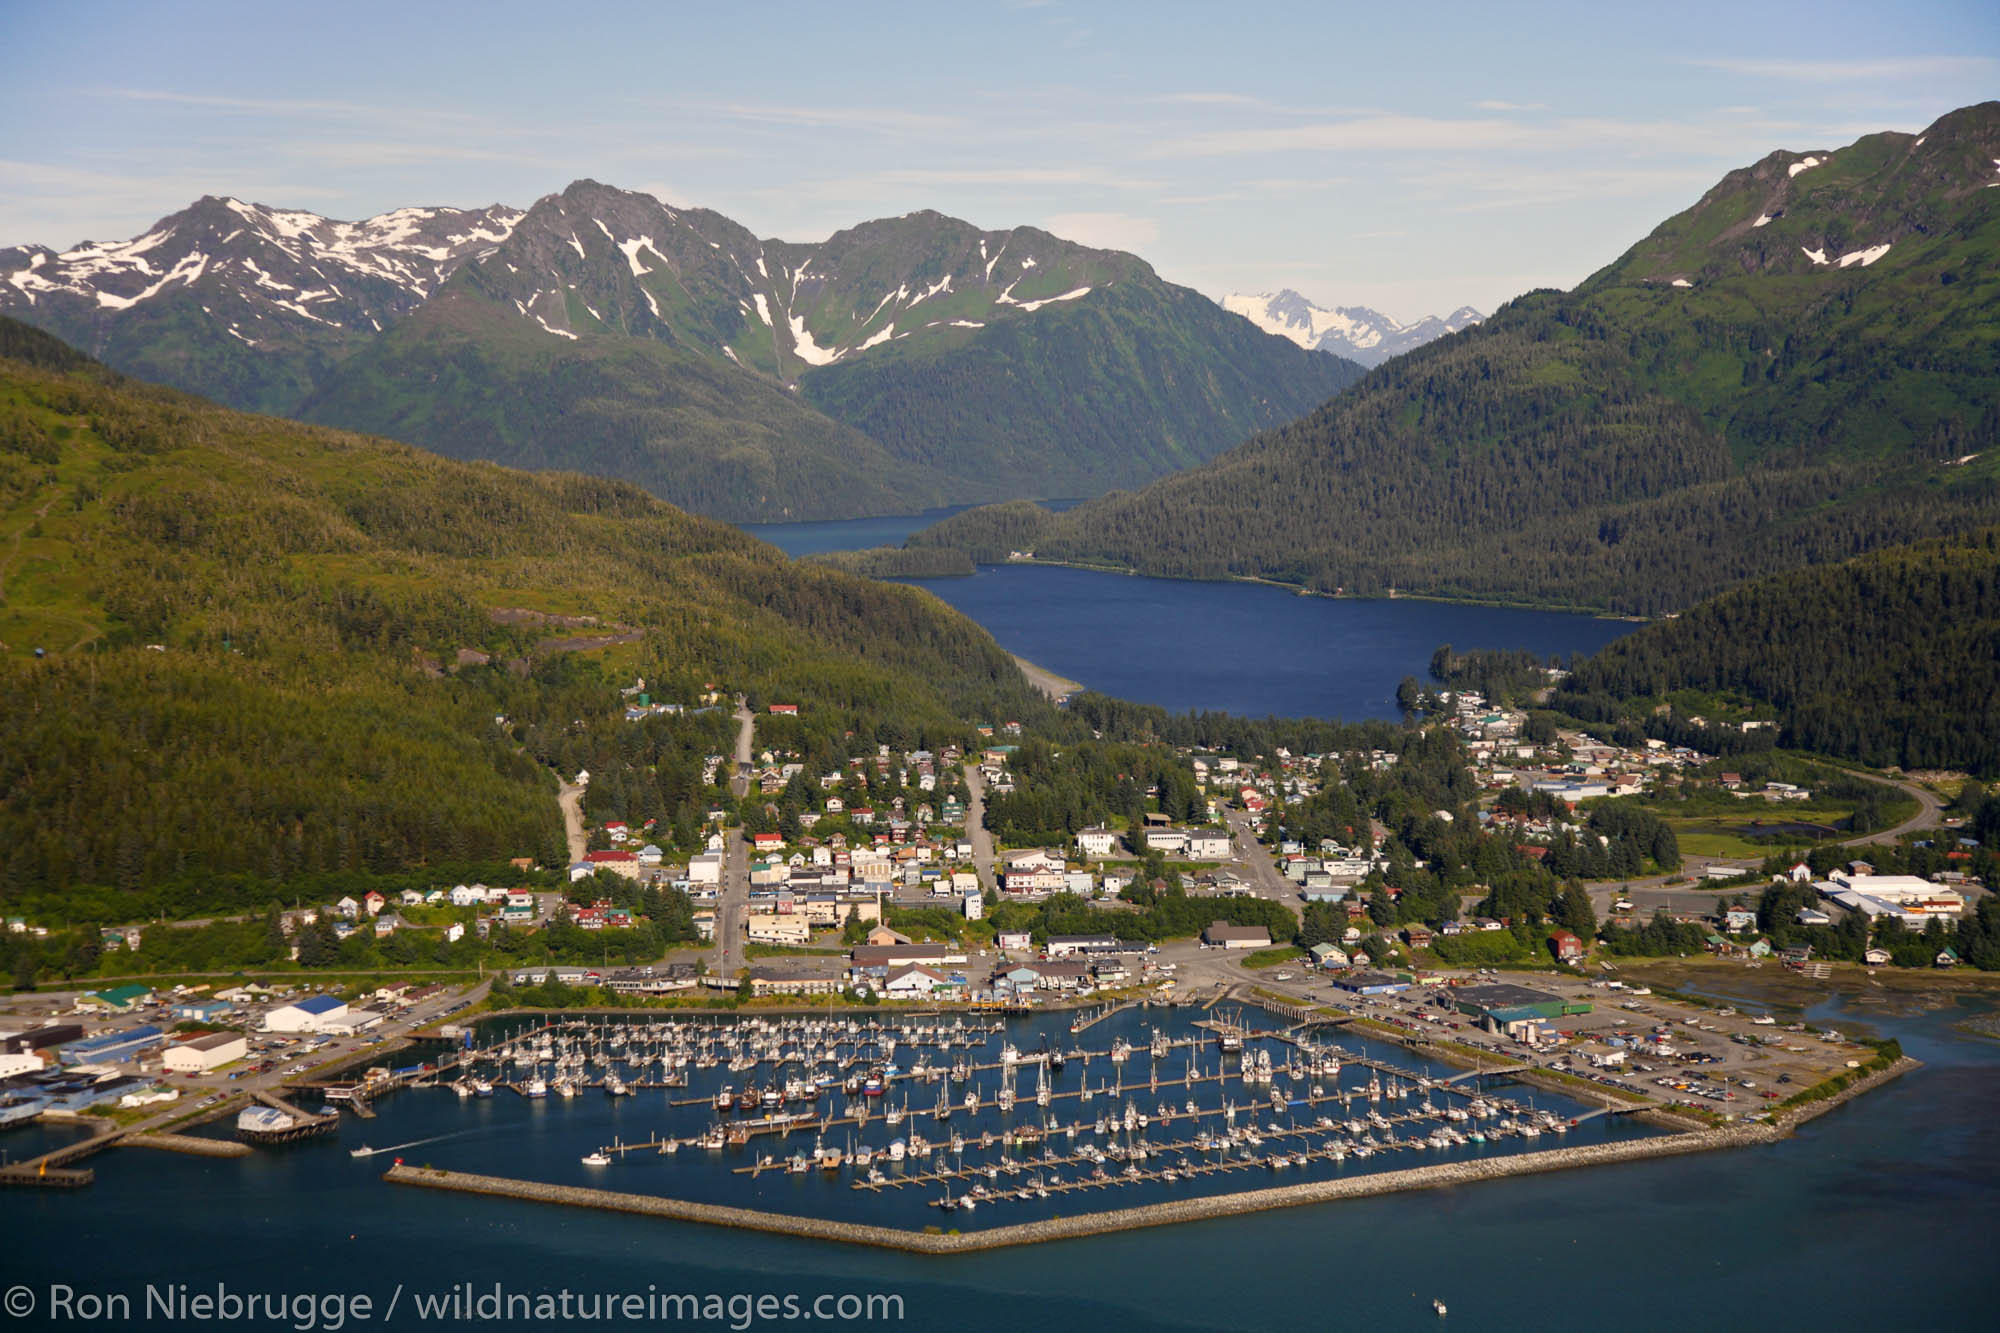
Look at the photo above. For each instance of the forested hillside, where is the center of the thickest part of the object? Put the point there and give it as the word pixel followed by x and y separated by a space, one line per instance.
pixel 238 647
pixel 1891 658
pixel 1798 369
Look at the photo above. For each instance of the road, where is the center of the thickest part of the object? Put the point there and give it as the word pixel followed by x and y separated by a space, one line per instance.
pixel 975 828
pixel 569 796
pixel 1254 860
pixel 746 737
pixel 1674 893
pixel 731 905
pixel 1930 811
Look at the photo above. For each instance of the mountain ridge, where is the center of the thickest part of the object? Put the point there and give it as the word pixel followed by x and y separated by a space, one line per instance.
pixel 1715 405
pixel 1356 332
pixel 753 379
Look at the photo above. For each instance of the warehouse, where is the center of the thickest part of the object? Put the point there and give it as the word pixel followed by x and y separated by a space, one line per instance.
pixel 209 1051
pixel 311 1014
pixel 1500 1005
pixel 111 1047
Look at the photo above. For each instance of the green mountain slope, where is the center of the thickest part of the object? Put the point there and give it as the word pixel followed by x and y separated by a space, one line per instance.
pixel 1716 405
pixel 1890 658
pixel 274 649
pixel 464 377
pixel 610 332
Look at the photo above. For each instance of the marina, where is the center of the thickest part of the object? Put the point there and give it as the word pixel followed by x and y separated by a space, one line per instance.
pixel 898 1122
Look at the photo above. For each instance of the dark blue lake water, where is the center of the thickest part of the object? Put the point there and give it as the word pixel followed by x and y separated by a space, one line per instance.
pixel 1788 1236
pixel 1242 648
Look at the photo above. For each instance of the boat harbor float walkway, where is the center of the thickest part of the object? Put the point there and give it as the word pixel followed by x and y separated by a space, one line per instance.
pixel 1436 1176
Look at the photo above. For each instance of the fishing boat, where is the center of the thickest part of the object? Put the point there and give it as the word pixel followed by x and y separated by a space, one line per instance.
pixel 615 1086
pixel 725 1098
pixel 481 1088
pixel 536 1087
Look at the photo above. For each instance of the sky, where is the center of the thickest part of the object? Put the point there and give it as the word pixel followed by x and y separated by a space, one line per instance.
pixel 1412 157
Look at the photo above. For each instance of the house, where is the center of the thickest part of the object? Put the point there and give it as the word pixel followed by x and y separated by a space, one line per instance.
pixel 1098 842
pixel 347 908
pixel 1417 937
pixel 705 868
pixel 387 925
pixel 1170 840
pixel 1329 955
pixel 1015 939
pixel 1739 919
pixel 1222 935
pixel 885 935
pixel 1566 946
pixel 1877 957
pixel 373 902
pixel 454 932
pixel 1947 957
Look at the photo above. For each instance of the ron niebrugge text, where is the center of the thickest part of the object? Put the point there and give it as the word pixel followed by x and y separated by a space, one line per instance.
pixel 310 1312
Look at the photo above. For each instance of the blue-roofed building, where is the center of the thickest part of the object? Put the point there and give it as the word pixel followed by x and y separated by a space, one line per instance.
pixel 311 1014
pixel 200 1011
pixel 111 1047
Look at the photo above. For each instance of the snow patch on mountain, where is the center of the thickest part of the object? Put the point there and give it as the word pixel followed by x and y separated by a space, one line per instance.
pixel 1356 332
pixel 806 349
pixel 1803 164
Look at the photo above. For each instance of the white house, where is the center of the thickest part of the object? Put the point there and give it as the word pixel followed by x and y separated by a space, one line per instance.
pixel 705 868
pixel 1096 842
pixel 913 982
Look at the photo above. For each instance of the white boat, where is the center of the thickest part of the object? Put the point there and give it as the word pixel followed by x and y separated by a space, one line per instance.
pixel 598 1158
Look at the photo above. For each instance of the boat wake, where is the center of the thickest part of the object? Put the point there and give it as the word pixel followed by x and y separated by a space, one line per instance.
pixel 365 1151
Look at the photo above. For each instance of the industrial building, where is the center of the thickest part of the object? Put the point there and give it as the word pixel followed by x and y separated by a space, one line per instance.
pixel 111 1047
pixel 209 1051
pixel 1501 1007
pixel 311 1014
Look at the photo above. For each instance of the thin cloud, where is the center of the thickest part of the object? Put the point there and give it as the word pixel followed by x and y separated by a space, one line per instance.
pixel 1105 231
pixel 1840 71
pixel 865 119
pixel 1498 104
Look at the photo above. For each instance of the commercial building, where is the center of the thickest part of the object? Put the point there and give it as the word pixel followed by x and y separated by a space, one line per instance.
pixel 111 1047
pixel 1501 1004
pixel 209 1051
pixel 1222 935
pixel 312 1014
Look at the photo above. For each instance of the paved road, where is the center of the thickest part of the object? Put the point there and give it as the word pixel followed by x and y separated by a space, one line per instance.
pixel 732 904
pixel 1930 812
pixel 1253 859
pixel 746 734
pixel 1674 893
pixel 975 827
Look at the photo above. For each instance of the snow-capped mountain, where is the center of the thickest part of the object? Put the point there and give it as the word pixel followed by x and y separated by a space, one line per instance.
pixel 1352 331
pixel 276 280
pixel 607 330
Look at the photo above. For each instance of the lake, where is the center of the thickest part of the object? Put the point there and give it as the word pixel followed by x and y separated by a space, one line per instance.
pixel 1245 648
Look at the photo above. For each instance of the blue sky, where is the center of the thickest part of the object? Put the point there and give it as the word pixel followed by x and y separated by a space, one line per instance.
pixel 1410 156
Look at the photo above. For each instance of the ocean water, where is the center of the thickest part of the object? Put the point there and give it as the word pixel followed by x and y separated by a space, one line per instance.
pixel 1803 1233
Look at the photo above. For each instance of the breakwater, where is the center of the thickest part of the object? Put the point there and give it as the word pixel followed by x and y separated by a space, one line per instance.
pixel 1438 1176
